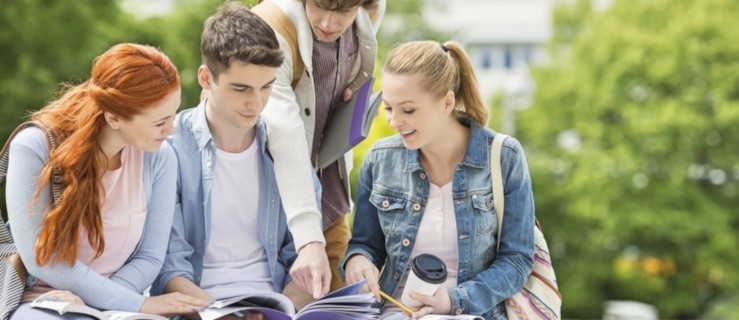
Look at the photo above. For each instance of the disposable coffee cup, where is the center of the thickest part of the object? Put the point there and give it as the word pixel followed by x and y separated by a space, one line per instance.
pixel 427 273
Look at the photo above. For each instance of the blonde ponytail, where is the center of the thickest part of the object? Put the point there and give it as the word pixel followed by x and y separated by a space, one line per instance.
pixel 443 68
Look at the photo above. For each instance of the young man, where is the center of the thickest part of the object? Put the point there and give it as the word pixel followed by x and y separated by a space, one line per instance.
pixel 229 235
pixel 338 46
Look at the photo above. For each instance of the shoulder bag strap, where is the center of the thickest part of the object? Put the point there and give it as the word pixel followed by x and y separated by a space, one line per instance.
pixel 56 177
pixel 280 22
pixel 496 175
pixel 12 271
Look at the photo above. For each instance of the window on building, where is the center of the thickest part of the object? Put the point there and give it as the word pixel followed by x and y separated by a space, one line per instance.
pixel 486 59
pixel 508 57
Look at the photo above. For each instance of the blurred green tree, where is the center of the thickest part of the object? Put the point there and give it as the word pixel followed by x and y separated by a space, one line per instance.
pixel 45 43
pixel 48 42
pixel 632 147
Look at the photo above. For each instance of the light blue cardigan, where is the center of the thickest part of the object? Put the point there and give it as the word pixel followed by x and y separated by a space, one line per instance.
pixel 123 290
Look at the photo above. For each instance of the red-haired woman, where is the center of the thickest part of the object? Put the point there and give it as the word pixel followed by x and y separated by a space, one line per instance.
pixel 104 242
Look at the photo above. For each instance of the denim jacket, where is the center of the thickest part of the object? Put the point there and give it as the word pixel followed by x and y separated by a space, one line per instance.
pixel 391 199
pixel 196 151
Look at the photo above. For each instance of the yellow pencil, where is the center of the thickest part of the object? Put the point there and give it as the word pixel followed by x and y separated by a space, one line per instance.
pixel 395 302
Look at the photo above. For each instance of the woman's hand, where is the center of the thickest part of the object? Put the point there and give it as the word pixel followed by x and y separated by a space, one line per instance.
pixel 358 268
pixel 439 303
pixel 172 304
pixel 60 295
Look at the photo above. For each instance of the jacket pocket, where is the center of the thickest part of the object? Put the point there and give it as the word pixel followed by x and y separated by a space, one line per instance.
pixel 486 221
pixel 485 216
pixel 389 210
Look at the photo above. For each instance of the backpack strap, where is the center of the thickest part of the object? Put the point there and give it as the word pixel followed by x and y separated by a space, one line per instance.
pixel 280 22
pixel 12 271
pixel 496 175
pixel 372 11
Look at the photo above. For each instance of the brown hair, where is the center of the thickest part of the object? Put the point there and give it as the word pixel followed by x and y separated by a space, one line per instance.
pixel 125 80
pixel 342 5
pixel 442 67
pixel 236 34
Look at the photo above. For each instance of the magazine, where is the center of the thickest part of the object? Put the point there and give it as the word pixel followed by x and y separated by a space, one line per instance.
pixel 344 304
pixel 64 307
pixel 349 124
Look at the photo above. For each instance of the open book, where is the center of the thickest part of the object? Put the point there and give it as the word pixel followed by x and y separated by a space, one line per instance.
pixel 64 307
pixel 448 317
pixel 349 124
pixel 344 304
pixel 403 316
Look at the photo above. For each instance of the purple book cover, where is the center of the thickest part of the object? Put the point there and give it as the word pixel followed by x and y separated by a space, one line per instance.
pixel 349 124
pixel 355 133
pixel 271 314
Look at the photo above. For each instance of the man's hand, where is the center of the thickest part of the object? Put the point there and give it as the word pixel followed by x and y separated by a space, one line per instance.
pixel 347 95
pixel 298 297
pixel 311 272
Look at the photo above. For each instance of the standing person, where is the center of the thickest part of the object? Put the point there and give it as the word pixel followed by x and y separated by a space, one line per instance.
pixel 428 190
pixel 105 240
pixel 337 44
pixel 229 235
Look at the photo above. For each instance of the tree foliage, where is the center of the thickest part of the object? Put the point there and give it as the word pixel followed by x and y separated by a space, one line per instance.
pixel 632 146
pixel 48 42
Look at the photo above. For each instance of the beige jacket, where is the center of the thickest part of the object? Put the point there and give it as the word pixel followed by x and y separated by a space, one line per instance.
pixel 290 119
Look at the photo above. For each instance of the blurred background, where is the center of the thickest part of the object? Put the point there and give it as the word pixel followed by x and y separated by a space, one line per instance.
pixel 628 112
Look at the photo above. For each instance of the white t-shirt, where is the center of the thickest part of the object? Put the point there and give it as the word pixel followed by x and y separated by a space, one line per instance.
pixel 235 260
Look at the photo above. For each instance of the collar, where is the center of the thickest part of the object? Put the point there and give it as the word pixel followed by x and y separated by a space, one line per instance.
pixel 476 155
pixel 204 137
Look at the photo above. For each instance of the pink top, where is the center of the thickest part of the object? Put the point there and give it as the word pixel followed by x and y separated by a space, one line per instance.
pixel 124 215
pixel 437 234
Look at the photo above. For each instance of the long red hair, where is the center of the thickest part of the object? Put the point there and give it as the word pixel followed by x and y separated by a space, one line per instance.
pixel 125 80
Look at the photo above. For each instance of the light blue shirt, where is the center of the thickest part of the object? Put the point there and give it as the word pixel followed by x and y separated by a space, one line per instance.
pixel 196 152
pixel 123 290
pixel 391 198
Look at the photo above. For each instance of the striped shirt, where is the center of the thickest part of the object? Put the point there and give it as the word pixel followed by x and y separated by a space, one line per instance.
pixel 332 66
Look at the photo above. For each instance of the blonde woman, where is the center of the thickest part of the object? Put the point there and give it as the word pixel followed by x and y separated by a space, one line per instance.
pixel 427 190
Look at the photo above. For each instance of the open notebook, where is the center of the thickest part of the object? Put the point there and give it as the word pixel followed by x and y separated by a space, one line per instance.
pixel 67 307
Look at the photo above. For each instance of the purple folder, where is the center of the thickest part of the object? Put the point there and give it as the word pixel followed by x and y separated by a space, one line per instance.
pixel 349 124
